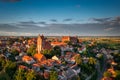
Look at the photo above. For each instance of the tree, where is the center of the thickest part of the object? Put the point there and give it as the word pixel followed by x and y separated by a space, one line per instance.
pixel 78 59
pixel 20 74
pixel 47 53
pixel 10 68
pixel 57 50
pixel 53 75
pixel 107 74
pixel 117 75
pixel 69 43
pixel 14 52
pixel 32 50
pixel 92 61
pixel 10 42
pixel 30 75
pixel 2 63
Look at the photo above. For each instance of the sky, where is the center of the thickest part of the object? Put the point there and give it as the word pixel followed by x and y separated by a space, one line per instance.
pixel 60 17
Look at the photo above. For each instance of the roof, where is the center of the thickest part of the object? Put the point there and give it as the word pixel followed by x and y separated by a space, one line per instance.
pixel 39 56
pixel 57 43
pixel 27 58
pixel 23 67
pixel 75 67
pixel 65 37
pixel 37 65
pixel 47 45
pixel 69 73
pixel 55 58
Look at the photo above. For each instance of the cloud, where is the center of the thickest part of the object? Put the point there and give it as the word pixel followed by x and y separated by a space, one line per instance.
pixel 28 22
pixel 115 21
pixel 108 29
pixel 101 20
pixel 61 29
pixel 111 21
pixel 10 0
pixel 69 19
pixel 53 20
pixel 82 29
pixel 42 22
pixel 8 27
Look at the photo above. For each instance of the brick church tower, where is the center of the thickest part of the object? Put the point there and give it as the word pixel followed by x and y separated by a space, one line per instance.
pixel 42 44
pixel 39 43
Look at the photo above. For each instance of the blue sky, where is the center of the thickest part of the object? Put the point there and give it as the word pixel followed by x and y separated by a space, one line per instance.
pixel 101 17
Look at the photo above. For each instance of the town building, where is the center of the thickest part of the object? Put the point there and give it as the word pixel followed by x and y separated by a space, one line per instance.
pixel 72 39
pixel 42 44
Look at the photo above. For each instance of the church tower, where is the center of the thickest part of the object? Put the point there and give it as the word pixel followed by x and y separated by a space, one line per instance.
pixel 39 43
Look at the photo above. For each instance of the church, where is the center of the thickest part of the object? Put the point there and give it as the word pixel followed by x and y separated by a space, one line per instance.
pixel 42 44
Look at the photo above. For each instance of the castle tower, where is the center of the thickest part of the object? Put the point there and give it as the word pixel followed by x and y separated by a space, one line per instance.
pixel 39 43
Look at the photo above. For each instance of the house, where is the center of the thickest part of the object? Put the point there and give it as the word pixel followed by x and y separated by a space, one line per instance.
pixel 3 41
pixel 65 38
pixel 82 49
pixel 69 73
pixel 72 39
pixel 7 54
pixel 58 44
pixel 112 71
pixel 76 69
pixel 46 74
pixel 39 57
pixel 60 77
pixel 28 59
pixel 55 58
pixel 22 54
pixel 17 58
pixel 99 55
pixel 22 67
pixel 109 56
pixel 66 48
pixel 69 57
pixel 85 59
pixel 36 67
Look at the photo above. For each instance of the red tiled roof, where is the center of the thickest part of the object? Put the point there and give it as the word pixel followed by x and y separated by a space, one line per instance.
pixel 23 67
pixel 27 58
pixel 39 57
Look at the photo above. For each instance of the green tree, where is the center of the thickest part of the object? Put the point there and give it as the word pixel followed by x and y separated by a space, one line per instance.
pixel 117 75
pixel 107 74
pixel 78 59
pixel 2 63
pixel 53 75
pixel 69 43
pixel 9 42
pixel 14 52
pixel 32 50
pixel 57 50
pixel 92 61
pixel 10 68
pixel 47 53
pixel 20 74
pixel 30 75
